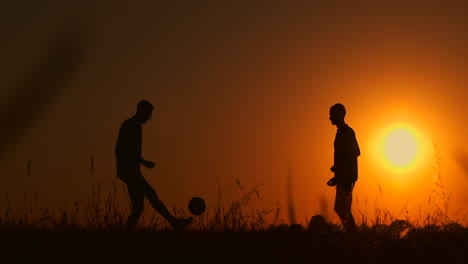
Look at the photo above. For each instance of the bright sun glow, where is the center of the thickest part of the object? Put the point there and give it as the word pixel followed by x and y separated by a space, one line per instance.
pixel 401 147
pixel 400 152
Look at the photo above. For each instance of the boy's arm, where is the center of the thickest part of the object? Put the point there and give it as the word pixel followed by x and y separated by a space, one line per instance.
pixel 148 164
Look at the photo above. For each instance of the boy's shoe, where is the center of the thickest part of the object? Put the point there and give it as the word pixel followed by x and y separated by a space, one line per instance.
pixel 180 224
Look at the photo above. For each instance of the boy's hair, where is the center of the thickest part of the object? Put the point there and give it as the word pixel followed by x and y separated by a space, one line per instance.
pixel 338 109
pixel 144 105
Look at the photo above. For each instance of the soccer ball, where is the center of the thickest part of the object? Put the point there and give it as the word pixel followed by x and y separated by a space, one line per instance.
pixel 197 206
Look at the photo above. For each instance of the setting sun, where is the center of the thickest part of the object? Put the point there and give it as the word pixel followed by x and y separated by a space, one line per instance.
pixel 401 147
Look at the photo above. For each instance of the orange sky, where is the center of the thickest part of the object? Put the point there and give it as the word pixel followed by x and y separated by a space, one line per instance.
pixel 241 92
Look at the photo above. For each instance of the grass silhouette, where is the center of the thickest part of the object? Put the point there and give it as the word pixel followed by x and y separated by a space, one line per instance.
pixel 92 229
pixel 108 212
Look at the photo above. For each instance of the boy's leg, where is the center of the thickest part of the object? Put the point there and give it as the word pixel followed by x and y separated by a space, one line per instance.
pixel 137 199
pixel 159 206
pixel 343 202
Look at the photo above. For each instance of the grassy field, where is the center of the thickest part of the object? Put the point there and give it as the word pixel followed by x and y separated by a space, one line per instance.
pixel 284 244
pixel 90 231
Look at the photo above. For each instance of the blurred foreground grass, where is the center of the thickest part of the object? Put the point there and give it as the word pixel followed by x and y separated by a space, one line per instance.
pixel 91 230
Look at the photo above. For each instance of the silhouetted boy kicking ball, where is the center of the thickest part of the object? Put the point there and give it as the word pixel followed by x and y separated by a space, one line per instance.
pixel 128 160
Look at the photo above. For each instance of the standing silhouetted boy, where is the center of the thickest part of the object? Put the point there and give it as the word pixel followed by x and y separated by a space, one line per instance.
pixel 345 166
pixel 128 159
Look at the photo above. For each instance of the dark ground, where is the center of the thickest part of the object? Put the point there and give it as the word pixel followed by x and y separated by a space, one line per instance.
pixel 229 247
